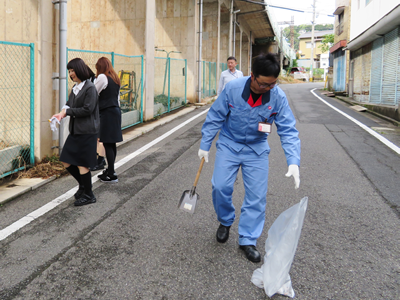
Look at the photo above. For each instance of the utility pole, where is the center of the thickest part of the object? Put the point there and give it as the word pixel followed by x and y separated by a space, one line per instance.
pixel 281 46
pixel 292 33
pixel 312 44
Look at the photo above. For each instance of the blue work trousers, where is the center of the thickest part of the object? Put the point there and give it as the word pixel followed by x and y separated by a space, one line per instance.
pixel 255 179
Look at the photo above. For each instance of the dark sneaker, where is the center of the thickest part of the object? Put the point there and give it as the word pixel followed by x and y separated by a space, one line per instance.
pixel 101 162
pixel 104 174
pixel 108 178
pixel 97 167
pixel 85 199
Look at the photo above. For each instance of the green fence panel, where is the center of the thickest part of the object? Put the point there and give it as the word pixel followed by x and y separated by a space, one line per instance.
pixel 223 67
pixel 213 79
pixel 161 98
pixel 177 83
pixel 170 80
pixel 130 72
pixel 209 79
pixel 16 107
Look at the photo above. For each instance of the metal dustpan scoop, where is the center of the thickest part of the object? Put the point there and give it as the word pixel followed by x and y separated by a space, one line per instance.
pixel 189 198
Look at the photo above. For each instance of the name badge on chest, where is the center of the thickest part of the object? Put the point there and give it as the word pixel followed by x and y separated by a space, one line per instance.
pixel 264 127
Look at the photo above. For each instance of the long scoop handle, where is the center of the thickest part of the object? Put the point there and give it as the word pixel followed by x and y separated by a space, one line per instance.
pixel 198 172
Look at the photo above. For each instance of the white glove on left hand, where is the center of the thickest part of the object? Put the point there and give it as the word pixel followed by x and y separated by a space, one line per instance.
pixel 294 171
pixel 203 153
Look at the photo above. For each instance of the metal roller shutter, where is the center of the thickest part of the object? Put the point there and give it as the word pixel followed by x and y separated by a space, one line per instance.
pixel 390 60
pixel 376 72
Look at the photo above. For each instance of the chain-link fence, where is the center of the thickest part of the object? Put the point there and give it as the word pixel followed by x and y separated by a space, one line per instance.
pixel 170 80
pixel 178 81
pixel 130 72
pixel 209 79
pixel 16 107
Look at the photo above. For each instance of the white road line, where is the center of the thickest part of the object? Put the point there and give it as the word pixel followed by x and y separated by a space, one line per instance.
pixel 365 127
pixel 54 203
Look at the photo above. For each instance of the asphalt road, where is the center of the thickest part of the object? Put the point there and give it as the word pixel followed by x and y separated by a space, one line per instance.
pixel 135 244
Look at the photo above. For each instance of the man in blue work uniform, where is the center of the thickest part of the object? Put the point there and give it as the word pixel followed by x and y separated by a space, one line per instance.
pixel 244 112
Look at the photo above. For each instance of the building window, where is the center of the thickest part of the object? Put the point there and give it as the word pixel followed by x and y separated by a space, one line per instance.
pixel 340 27
pixel 308 45
pixel 367 2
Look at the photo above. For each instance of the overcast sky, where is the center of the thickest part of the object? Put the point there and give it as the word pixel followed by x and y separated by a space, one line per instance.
pixel 322 6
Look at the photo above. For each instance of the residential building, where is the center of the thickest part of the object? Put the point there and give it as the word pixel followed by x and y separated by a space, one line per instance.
pixel 341 58
pixel 374 52
pixel 305 48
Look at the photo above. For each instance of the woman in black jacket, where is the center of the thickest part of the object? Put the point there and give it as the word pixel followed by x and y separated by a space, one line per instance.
pixel 79 151
pixel 108 85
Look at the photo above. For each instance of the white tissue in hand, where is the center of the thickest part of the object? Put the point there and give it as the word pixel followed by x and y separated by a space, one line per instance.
pixel 53 121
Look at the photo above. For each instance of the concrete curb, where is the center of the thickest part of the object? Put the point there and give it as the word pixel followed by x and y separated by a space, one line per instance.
pixel 348 101
pixel 18 187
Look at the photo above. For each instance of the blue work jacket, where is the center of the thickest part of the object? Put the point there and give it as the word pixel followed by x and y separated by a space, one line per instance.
pixel 238 121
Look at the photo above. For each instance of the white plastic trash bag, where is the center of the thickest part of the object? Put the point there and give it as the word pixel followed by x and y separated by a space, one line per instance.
pixel 280 247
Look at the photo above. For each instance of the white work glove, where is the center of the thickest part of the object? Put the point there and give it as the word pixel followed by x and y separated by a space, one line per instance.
pixel 203 153
pixel 294 171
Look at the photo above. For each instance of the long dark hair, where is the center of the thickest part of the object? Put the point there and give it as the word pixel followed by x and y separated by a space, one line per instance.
pixel 92 76
pixel 104 66
pixel 80 68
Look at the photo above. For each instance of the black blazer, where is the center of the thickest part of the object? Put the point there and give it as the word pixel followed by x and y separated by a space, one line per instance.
pixel 84 110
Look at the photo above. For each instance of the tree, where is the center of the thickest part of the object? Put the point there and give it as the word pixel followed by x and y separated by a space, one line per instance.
pixel 327 42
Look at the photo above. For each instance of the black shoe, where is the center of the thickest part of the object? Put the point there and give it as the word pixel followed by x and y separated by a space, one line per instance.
pixel 251 253
pixel 85 199
pixel 79 192
pixel 223 233
pixel 105 177
pixel 101 162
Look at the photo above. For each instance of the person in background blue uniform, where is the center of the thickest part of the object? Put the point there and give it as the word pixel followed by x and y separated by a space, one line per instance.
pixel 244 113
